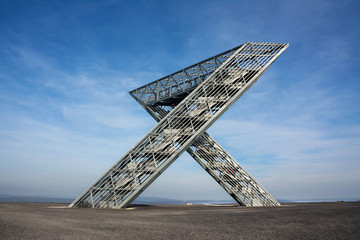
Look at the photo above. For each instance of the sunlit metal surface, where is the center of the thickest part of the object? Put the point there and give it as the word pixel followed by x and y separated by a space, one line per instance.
pixel 187 103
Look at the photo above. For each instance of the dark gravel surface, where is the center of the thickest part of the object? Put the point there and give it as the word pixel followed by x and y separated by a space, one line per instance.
pixel 290 221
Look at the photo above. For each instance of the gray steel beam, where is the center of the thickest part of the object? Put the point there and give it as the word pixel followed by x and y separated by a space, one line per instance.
pixel 181 82
pixel 179 129
pixel 225 170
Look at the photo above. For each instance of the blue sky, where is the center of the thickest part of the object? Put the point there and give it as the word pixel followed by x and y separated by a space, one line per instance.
pixel 67 67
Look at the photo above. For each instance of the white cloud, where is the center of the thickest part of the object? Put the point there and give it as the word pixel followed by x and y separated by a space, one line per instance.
pixel 287 158
pixel 61 134
pixel 299 134
pixel 43 156
pixel 110 116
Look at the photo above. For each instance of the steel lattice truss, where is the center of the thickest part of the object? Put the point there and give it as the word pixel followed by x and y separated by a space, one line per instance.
pixel 185 104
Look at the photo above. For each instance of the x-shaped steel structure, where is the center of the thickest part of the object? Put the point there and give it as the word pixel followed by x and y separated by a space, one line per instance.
pixel 185 104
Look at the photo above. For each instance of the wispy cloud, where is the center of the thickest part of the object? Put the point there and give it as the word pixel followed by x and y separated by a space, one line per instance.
pixel 62 127
pixel 294 155
pixel 66 69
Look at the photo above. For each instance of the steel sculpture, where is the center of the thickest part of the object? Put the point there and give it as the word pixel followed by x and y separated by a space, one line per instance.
pixel 185 104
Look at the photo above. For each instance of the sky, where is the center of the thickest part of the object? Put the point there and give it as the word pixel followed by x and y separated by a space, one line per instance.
pixel 66 117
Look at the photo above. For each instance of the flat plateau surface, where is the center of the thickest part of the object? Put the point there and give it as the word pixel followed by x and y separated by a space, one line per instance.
pixel 340 220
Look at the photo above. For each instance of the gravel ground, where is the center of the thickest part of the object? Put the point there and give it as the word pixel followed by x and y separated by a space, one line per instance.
pixel 291 221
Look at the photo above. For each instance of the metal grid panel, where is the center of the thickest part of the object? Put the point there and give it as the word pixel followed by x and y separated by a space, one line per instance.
pixel 169 88
pixel 124 181
pixel 223 167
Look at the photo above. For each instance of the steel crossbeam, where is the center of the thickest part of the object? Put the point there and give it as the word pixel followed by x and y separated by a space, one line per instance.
pixel 224 168
pixel 186 104
pixel 171 89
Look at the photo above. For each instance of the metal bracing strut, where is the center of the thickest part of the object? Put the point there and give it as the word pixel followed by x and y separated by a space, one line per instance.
pixel 183 128
pixel 223 168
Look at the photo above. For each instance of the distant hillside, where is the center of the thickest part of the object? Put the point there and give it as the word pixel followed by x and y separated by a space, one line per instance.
pixel 147 200
pixel 156 200
pixel 39 199
pixel 139 200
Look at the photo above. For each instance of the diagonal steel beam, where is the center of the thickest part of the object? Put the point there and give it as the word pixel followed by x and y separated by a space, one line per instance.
pixel 238 183
pixel 182 126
